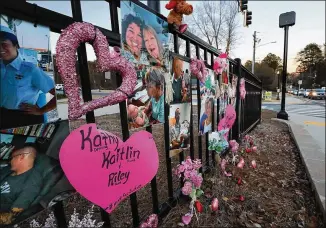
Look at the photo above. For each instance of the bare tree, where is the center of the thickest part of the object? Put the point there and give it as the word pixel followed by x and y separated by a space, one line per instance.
pixel 230 33
pixel 216 22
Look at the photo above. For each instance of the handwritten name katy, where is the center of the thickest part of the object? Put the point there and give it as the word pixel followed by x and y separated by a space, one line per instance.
pixel 110 157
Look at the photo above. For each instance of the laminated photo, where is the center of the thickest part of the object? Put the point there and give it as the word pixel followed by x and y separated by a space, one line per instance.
pixel 181 80
pixel 27 94
pixel 206 112
pixel 179 125
pixel 31 178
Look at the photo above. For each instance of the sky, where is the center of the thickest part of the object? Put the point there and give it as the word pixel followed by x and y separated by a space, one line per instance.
pixel 29 36
pixel 309 27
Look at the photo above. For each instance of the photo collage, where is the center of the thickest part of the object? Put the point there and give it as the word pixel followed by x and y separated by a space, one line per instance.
pixel 31 178
pixel 145 43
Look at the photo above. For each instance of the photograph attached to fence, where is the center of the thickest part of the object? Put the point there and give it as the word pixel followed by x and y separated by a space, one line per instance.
pixel 146 107
pixel 27 93
pixel 31 178
pixel 206 112
pixel 232 90
pixel 223 98
pixel 179 125
pixel 208 89
pixel 181 80
pixel 144 36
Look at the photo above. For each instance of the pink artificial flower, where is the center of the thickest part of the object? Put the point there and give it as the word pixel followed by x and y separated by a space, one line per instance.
pixel 186 219
pixel 197 180
pixel 181 168
pixel 253 164
pixel 187 189
pixel 254 148
pixel 187 174
pixel 234 146
pixel 246 137
pixel 241 163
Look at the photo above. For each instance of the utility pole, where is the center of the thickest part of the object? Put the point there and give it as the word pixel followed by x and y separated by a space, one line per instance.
pixel 253 56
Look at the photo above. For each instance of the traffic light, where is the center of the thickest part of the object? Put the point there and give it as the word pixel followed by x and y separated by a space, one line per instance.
pixel 243 4
pixel 247 18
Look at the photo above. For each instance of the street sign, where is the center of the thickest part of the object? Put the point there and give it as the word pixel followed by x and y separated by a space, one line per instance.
pixel 300 82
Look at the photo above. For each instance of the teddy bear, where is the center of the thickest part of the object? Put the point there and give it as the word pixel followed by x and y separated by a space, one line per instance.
pixel 178 9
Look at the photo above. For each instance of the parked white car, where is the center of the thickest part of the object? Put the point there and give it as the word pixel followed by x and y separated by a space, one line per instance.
pixel 59 86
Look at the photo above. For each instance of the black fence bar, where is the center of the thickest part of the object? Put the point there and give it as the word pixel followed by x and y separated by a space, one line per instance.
pixel 200 149
pixel 206 134
pixel 154 186
pixel 167 150
pixel 59 214
pixel 82 63
pixel 192 153
pixel 236 126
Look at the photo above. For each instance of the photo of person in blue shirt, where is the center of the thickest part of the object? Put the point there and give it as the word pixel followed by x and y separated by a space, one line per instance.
pixel 21 84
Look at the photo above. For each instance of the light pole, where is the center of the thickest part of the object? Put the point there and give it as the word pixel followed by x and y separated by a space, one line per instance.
pixel 278 85
pixel 48 52
pixel 254 51
pixel 285 21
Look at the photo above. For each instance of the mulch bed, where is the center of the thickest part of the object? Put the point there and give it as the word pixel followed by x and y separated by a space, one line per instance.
pixel 277 193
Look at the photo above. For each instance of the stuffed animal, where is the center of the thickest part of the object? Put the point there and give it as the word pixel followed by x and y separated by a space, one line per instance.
pixel 178 9
pixel 220 63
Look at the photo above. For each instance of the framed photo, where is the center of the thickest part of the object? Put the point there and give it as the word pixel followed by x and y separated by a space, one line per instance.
pixel 180 79
pixel 179 125
pixel 27 93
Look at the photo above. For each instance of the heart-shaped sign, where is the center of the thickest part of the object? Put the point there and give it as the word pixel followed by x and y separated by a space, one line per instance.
pixel 103 168
pixel 69 40
pixel 228 120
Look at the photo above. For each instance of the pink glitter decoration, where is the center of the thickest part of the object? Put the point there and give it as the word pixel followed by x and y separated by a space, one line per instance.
pixel 242 89
pixel 151 222
pixel 198 68
pixel 69 40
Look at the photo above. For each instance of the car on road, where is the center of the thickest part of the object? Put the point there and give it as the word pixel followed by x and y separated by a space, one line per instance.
pixel 59 86
pixel 306 93
pixel 317 94
pixel 295 92
pixel 301 92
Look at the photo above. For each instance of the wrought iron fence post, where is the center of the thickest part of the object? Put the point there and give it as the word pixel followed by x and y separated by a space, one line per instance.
pixel 236 129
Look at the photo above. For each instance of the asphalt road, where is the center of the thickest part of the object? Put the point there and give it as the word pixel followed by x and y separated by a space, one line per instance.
pixel 308 113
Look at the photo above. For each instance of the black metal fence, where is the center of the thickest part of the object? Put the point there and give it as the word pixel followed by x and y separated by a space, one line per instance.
pixel 248 111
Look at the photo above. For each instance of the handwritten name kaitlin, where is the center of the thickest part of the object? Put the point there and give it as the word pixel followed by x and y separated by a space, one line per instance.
pixel 110 157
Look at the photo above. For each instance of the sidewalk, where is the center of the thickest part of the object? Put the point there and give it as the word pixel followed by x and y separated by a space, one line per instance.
pixel 313 159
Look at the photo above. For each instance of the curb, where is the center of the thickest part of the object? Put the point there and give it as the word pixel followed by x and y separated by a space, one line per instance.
pixel 313 159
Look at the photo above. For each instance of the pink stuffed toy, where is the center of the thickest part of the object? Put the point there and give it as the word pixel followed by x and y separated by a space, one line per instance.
pixel 198 69
pixel 220 63
pixel 242 89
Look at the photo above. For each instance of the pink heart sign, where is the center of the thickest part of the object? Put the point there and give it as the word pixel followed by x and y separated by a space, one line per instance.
pixel 69 41
pixel 228 120
pixel 103 168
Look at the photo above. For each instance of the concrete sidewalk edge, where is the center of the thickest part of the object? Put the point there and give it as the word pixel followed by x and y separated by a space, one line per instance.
pixel 313 159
